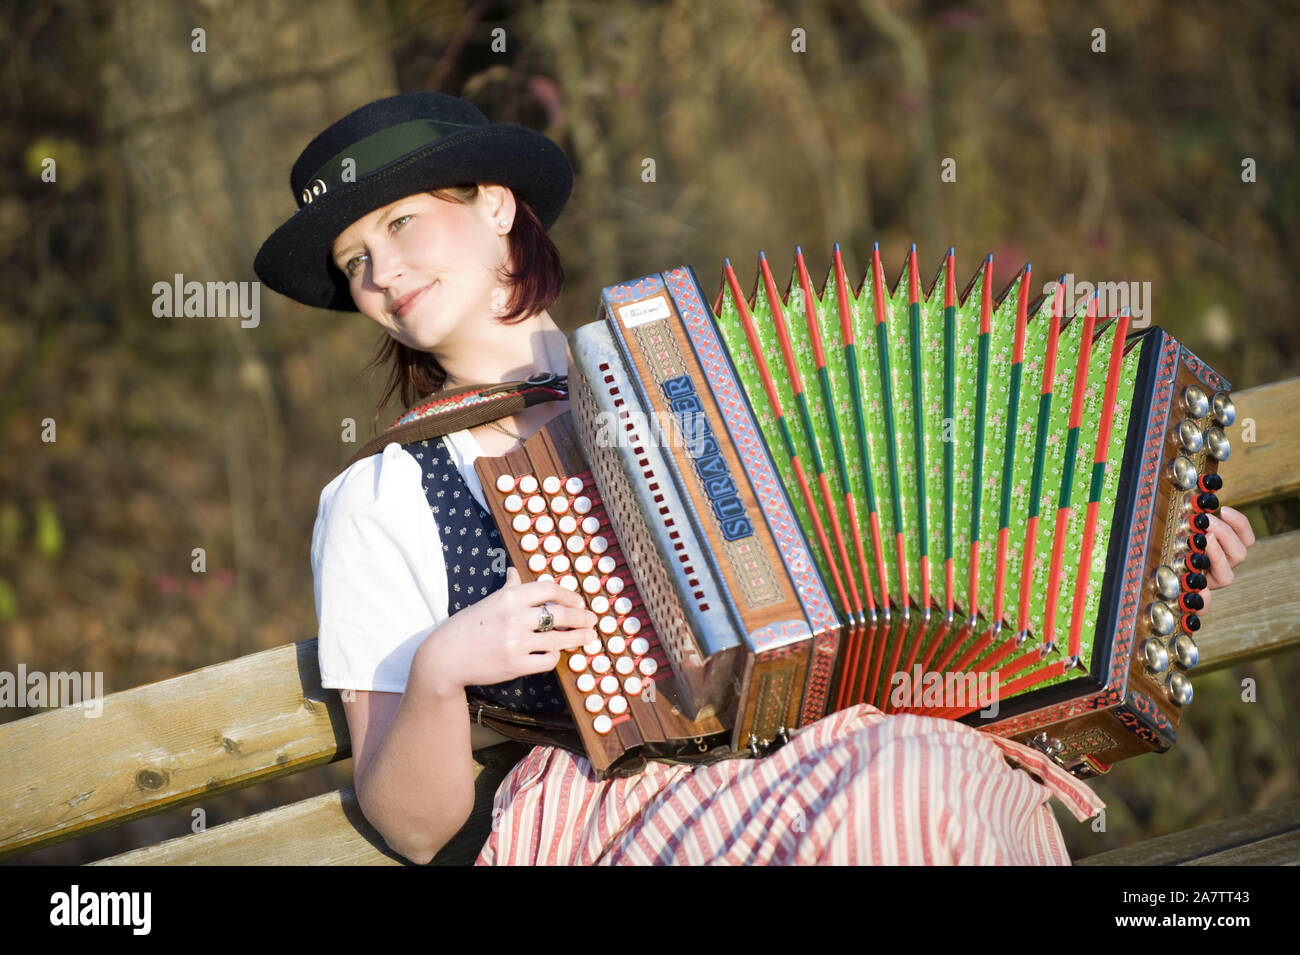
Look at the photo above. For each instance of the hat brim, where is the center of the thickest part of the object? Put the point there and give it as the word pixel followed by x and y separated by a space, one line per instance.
pixel 295 260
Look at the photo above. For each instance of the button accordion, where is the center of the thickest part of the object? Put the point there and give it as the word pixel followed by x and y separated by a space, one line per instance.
pixel 986 507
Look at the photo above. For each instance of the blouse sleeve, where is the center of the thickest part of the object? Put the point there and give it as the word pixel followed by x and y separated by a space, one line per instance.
pixel 380 578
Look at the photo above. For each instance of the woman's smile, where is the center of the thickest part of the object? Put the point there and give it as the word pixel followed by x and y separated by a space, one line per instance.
pixel 402 307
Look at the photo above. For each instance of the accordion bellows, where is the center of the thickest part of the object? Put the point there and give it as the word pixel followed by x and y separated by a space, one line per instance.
pixel 925 416
pixel 980 505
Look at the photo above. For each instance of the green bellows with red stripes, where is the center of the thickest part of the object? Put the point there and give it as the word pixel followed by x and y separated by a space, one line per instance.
pixel 989 458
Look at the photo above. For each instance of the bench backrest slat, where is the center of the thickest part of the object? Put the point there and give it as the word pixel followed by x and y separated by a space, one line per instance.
pixel 1260 613
pixel 1268 466
pixel 166 744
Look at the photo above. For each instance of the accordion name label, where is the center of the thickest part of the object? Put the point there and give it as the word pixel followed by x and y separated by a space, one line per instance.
pixel 706 456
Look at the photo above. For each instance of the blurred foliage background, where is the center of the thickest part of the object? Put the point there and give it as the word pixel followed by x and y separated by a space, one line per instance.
pixel 769 124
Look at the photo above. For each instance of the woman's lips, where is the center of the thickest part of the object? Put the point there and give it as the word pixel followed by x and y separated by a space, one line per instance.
pixel 403 304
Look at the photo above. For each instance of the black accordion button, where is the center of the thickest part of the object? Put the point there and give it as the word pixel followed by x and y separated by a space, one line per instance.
pixel 1210 482
pixel 1191 602
pixel 1191 622
pixel 1193 581
pixel 1197 562
pixel 1201 522
pixel 1206 502
pixel 1198 543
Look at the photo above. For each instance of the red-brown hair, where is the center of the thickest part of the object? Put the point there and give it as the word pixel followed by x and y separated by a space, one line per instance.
pixel 535 284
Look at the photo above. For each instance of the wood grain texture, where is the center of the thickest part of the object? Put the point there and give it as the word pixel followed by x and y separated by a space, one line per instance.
pixel 1259 613
pixel 328 829
pixel 167 744
pixel 1270 837
pixel 1269 466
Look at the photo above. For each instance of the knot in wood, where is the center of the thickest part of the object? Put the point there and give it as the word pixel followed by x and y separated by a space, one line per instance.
pixel 150 779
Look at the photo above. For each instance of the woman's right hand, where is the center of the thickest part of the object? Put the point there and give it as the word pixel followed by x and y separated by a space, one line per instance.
pixel 494 640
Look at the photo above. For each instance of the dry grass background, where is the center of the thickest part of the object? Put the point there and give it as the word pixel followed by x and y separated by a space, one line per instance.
pixel 184 433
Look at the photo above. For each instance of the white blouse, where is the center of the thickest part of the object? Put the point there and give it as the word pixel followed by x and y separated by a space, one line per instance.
pixel 377 561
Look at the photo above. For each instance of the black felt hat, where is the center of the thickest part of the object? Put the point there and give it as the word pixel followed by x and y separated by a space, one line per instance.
pixel 387 150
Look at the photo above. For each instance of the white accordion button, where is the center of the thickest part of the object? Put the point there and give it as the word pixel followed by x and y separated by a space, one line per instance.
pixel 647 666
pixel 567 524
pixel 514 504
pixel 590 525
pixel 616 645
pixel 544 523
pixel 609 684
pixel 559 563
pixel 624 666
pixel 527 484
pixel 622 606
pixel 575 544
pixel 505 484
pixel 586 683
pixel 602 724
pixel 559 504
pixel 521 523
pixel 582 504
pixel 551 485
pixel 608 625
pixel 606 564
pixel 547 578
pixel 592 647
pixel 640 646
pixel 599 545
pixel 631 686
pixel 582 564
pixel 614 585
pixel 617 705
pixel 631 626
pixel 599 603
pixel 577 663
pixel 551 545
pixel 569 582
pixel 536 504
pixel 528 543
pixel 601 664
pixel 594 703
pixel 537 563
pixel 590 585
pixel 573 485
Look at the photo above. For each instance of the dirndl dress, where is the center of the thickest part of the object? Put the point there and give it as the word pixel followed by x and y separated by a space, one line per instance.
pixel 856 787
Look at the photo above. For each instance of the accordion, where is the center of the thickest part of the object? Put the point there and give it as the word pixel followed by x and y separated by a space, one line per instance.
pixel 980 506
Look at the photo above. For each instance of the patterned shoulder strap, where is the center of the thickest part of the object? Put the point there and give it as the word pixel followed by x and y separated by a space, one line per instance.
pixel 446 411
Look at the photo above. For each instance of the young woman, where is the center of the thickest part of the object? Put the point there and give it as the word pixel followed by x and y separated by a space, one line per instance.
pixel 431 222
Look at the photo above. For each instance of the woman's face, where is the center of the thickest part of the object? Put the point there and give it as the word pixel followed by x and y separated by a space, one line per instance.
pixel 423 267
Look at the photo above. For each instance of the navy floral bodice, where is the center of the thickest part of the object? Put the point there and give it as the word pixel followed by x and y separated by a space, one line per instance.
pixel 476 566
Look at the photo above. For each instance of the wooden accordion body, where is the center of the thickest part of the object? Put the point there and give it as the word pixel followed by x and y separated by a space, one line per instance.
pixel 771 586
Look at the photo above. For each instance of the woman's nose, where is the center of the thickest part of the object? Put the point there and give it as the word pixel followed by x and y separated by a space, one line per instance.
pixel 386 267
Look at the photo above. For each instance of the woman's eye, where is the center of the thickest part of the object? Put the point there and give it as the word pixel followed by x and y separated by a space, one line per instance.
pixel 399 222
pixel 350 267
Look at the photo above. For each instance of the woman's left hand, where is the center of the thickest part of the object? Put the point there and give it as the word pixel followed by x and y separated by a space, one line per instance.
pixel 1229 536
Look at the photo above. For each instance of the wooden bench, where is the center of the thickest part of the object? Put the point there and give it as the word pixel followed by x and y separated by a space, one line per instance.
pixel 263 716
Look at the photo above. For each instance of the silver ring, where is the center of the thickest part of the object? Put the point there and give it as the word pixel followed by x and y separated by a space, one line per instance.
pixel 546 621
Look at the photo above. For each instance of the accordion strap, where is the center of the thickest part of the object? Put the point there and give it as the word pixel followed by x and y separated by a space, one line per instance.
pixel 459 408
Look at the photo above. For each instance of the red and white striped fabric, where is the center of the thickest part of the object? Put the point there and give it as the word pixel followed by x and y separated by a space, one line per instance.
pixel 855 788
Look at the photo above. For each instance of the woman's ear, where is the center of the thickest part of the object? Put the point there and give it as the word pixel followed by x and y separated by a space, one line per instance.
pixel 499 205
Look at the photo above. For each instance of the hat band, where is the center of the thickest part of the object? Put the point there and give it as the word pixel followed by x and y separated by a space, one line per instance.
pixel 376 151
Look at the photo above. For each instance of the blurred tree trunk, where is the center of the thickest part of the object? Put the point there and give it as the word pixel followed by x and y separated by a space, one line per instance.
pixel 201 131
